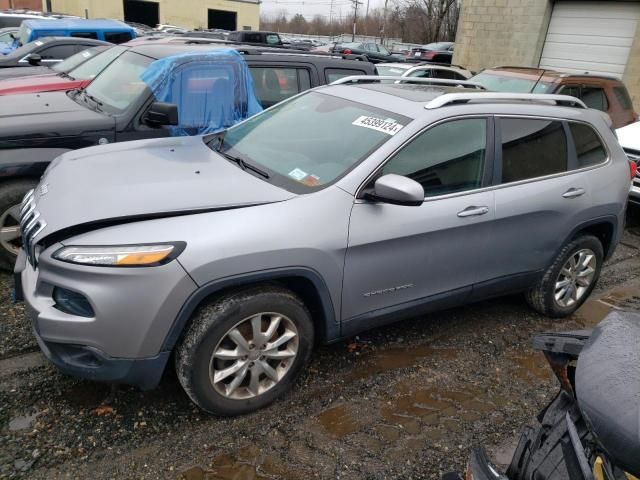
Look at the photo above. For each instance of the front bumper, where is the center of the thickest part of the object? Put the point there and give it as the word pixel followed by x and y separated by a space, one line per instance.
pixel 134 309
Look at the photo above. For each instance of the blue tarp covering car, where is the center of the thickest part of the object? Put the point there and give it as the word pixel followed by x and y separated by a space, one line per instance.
pixel 213 90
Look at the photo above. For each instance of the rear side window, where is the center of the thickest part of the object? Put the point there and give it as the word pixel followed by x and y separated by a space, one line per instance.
pixel 117 37
pixel 333 74
pixel 532 148
pixel 589 148
pixel 594 97
pixel 253 37
pixel 272 39
pixel 93 35
pixel 274 84
pixel 447 158
pixel 623 98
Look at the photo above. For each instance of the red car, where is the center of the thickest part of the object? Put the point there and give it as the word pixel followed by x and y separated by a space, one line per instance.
pixel 79 71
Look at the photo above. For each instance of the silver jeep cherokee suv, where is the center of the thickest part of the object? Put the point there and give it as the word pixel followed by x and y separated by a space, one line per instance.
pixel 341 209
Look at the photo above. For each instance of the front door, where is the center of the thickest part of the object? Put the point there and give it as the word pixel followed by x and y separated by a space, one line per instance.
pixel 399 256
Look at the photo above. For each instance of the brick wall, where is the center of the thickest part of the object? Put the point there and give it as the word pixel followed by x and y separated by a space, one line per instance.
pixel 501 32
pixel 30 4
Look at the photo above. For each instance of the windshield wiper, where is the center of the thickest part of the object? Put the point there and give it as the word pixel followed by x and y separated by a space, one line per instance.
pixel 243 164
pixel 97 103
pixel 65 75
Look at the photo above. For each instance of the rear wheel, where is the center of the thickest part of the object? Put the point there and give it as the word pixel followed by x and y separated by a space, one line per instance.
pixel 571 278
pixel 245 350
pixel 11 195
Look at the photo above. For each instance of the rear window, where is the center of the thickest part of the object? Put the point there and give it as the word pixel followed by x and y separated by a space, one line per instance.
pixel 532 148
pixel 117 37
pixel 333 74
pixel 623 98
pixel 589 148
pixel 498 82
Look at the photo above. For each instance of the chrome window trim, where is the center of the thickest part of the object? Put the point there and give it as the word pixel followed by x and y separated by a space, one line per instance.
pixel 607 161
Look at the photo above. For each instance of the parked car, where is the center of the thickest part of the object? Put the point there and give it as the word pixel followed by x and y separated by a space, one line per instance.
pixel 375 52
pixel 427 70
pixel 112 31
pixel 65 66
pixel 47 51
pixel 607 94
pixel 219 35
pixel 116 107
pixel 251 37
pixel 629 138
pixel 241 250
pixel 96 60
pixel 15 19
pixel 434 52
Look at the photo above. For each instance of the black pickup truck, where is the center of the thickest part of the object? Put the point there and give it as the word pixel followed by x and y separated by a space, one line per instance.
pixel 36 128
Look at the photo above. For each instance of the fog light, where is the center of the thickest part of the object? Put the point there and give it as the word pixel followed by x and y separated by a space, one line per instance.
pixel 73 303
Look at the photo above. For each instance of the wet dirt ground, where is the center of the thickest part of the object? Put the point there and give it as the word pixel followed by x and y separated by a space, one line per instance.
pixel 407 401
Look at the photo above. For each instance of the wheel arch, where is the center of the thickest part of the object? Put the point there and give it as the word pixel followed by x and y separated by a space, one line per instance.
pixel 304 282
pixel 603 228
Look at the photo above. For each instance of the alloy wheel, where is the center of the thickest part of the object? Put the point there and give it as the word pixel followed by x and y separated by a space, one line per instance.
pixel 253 356
pixel 10 229
pixel 575 278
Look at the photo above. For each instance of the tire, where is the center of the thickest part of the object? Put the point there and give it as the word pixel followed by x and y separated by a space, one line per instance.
pixel 211 331
pixel 11 195
pixel 542 297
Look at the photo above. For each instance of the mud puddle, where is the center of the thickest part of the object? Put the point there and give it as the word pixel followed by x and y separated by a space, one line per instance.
pixel 338 421
pixel 248 464
pixel 393 358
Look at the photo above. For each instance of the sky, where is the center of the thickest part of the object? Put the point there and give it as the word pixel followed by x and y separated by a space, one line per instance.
pixel 309 8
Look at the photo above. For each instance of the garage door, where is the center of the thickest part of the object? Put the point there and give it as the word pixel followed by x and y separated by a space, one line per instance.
pixel 592 37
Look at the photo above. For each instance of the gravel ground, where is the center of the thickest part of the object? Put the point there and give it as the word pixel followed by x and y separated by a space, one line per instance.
pixel 400 402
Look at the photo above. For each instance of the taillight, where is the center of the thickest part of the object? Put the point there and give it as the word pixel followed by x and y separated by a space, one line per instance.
pixel 429 55
pixel 346 51
pixel 633 169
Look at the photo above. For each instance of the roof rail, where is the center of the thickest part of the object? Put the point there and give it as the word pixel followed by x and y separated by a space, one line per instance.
pixel 453 98
pixel 428 81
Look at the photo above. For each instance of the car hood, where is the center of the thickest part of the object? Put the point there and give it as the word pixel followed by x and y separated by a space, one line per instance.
pixel 37 83
pixel 118 183
pixel 41 115
pixel 12 72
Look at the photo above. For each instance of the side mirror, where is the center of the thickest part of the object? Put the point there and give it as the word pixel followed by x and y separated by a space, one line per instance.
pixel 34 59
pixel 160 113
pixel 398 190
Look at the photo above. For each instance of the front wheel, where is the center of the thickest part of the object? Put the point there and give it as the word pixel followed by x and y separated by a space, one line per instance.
pixel 11 195
pixel 570 279
pixel 244 350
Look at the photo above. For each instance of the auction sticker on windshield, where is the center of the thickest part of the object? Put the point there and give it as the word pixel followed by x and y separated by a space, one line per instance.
pixel 388 126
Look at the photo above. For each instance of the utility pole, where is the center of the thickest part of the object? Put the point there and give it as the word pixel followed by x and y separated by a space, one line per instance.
pixel 331 20
pixel 384 22
pixel 355 18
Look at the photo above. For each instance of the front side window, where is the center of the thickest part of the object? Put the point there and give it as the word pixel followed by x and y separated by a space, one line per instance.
pixel 274 84
pixel 119 85
pixel 532 148
pixel 57 52
pixel 447 158
pixel 311 140
pixel 589 148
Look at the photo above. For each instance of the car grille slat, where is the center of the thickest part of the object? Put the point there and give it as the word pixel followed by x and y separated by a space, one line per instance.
pixel 31 224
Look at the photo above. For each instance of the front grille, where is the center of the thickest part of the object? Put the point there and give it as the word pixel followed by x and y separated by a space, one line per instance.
pixel 31 224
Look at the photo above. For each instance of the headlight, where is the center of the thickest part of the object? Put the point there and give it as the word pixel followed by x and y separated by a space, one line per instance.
pixel 121 255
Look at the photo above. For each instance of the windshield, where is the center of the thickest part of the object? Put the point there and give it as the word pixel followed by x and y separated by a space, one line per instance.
pixel 119 85
pixel 311 140
pixel 73 61
pixel 92 67
pixel 498 82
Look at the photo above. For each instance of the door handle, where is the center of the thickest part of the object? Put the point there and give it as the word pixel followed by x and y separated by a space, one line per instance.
pixel 473 211
pixel 573 192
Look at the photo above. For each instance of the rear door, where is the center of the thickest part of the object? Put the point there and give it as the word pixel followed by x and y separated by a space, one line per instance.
pixel 541 195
